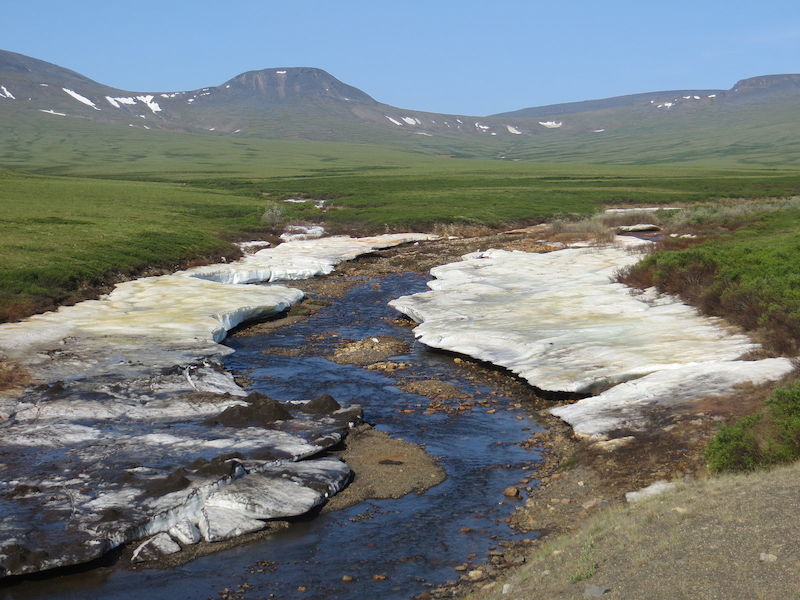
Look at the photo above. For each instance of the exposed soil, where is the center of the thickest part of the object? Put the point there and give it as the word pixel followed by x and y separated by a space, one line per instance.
pixel 433 388
pixel 369 350
pixel 384 467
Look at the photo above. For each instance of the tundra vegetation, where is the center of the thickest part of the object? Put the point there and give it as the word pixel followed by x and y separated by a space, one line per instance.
pixel 88 204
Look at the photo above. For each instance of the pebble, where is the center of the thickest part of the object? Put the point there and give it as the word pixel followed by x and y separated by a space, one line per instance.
pixel 595 591
pixel 511 492
pixel 765 557
pixel 475 575
pixel 378 577
pixel 347 578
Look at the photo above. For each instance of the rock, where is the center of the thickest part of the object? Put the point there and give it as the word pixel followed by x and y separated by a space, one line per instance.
pixel 507 589
pixel 594 502
pixel 511 492
pixel 260 410
pixel 637 228
pixel 186 533
pixel 347 578
pixel 765 557
pixel 154 548
pixel 654 489
pixel 595 591
pixel 476 575
pixel 613 444
pixel 321 405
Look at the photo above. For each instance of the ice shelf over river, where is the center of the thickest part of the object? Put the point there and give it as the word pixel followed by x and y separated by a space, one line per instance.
pixel 131 428
pixel 560 321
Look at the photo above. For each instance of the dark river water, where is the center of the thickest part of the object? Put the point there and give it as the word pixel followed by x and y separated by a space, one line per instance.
pixel 415 541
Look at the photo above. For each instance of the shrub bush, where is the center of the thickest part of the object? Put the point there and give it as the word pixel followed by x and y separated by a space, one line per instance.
pixel 766 438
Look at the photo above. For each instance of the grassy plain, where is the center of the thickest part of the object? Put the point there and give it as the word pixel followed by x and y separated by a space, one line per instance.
pixel 81 201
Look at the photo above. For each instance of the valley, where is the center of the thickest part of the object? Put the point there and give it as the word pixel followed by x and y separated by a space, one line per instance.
pixel 569 357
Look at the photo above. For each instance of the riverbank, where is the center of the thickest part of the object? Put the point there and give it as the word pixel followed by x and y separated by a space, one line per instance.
pixel 582 485
pixel 579 478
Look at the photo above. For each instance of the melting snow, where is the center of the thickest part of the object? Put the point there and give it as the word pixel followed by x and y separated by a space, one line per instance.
pixel 52 112
pixel 551 124
pixel 559 321
pixel 5 93
pixel 712 96
pixel 423 133
pixel 513 130
pixel 281 72
pixel 396 122
pixel 44 85
pixel 80 98
pixel 113 102
pixel 302 232
pixel 409 120
pixel 481 127
pixel 599 130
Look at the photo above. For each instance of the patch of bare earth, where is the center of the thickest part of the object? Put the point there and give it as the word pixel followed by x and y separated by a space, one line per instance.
pixel 369 350
pixel 384 467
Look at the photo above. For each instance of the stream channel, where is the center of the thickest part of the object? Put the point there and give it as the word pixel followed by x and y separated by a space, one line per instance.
pixel 415 541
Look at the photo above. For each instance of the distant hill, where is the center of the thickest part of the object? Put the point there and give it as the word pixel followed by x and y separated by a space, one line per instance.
pixel 755 121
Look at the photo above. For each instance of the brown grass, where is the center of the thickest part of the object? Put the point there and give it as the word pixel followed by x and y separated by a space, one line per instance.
pixel 12 375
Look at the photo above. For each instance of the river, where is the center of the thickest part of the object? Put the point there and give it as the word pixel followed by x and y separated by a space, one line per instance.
pixel 415 541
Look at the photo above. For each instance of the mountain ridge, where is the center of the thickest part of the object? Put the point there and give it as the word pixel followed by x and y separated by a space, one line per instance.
pixel 310 103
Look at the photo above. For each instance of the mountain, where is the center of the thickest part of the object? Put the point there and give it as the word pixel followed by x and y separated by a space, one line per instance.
pixel 277 102
pixel 753 121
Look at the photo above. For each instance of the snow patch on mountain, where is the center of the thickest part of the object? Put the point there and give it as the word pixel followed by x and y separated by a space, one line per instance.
pixel 551 124
pixel 79 98
pixel 4 93
pixel 395 121
pixel 513 130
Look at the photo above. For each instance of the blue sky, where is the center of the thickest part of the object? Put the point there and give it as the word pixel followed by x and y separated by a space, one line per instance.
pixel 464 56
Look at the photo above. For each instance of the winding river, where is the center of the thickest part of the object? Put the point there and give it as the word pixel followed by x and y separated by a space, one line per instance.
pixel 414 541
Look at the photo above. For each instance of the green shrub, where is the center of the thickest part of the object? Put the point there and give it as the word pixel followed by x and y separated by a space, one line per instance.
pixel 735 447
pixel 760 440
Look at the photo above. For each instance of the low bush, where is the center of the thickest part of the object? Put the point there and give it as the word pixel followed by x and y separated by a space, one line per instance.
pixel 769 437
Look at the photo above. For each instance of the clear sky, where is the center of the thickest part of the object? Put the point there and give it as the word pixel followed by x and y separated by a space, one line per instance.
pixel 464 56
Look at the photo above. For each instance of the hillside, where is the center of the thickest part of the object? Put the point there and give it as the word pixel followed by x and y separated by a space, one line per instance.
pixel 753 122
